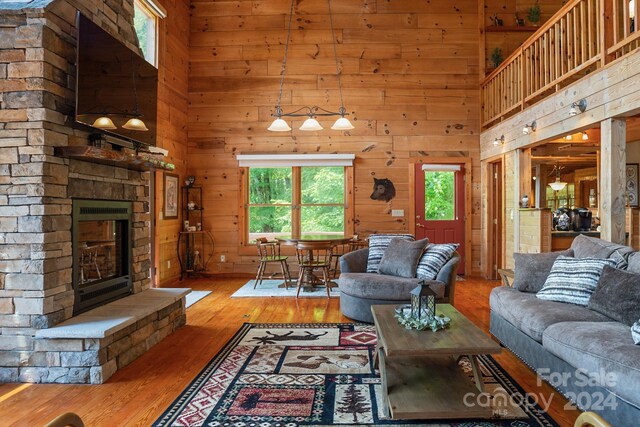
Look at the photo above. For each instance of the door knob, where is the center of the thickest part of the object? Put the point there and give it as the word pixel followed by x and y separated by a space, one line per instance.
pixel 420 225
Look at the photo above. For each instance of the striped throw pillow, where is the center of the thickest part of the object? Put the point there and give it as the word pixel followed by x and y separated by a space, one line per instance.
pixel 635 332
pixel 377 245
pixel 573 280
pixel 433 259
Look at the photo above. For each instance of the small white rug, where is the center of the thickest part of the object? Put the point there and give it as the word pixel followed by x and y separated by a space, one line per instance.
pixel 270 288
pixel 195 296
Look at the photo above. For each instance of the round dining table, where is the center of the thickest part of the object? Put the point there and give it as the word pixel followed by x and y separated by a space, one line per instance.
pixel 335 239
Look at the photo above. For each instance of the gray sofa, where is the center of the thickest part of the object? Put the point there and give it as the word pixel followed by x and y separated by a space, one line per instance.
pixel 360 290
pixel 556 339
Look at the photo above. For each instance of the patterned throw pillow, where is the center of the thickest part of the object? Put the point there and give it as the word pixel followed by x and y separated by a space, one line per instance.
pixel 573 280
pixel 433 259
pixel 635 332
pixel 377 245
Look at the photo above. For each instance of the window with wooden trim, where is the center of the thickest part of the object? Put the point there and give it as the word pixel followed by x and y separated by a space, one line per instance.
pixel 145 21
pixel 294 201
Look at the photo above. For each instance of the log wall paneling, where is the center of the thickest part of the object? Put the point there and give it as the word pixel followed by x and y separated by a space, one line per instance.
pixel 535 230
pixel 173 81
pixel 511 182
pixel 613 180
pixel 409 73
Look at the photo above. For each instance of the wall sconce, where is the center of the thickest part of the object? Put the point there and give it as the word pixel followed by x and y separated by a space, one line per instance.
pixel 578 107
pixel 528 128
pixel 585 137
pixel 498 141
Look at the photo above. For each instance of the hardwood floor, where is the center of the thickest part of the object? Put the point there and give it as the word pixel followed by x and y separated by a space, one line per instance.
pixel 139 393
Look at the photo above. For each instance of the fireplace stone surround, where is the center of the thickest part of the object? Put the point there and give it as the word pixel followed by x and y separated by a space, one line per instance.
pixel 40 339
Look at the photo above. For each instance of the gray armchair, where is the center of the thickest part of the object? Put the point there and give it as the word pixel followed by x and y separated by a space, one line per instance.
pixel 360 290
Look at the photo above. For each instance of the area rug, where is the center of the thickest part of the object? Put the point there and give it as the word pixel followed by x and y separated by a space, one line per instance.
pixel 290 375
pixel 195 296
pixel 275 288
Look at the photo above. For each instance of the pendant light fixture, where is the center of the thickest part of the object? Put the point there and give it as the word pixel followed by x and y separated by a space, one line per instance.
pixel 311 123
pixel 557 185
pixel 135 123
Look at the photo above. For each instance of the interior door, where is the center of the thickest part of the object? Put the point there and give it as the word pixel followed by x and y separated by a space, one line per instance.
pixel 440 214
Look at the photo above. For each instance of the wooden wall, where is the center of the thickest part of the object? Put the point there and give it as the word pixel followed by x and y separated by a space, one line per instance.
pixel 410 78
pixel 173 66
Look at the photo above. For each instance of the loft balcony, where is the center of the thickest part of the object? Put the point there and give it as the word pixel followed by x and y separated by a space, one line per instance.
pixel 581 38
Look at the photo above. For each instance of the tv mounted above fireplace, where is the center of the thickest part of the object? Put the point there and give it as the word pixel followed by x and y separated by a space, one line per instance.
pixel 114 82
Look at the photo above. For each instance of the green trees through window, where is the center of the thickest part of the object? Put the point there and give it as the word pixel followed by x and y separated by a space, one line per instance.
pixel 439 196
pixel 286 201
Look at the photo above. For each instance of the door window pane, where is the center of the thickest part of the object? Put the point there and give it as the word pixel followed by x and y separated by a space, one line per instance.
pixel 323 185
pixel 439 196
pixel 322 220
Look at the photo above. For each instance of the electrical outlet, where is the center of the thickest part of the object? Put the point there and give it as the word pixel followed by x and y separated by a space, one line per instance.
pixel 169 264
pixel 223 258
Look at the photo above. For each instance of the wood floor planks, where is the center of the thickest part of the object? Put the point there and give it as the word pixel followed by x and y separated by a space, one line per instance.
pixel 139 393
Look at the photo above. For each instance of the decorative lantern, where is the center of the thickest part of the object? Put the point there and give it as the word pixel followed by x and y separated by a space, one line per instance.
pixel 423 302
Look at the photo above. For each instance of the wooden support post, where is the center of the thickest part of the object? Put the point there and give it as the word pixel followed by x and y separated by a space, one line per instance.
pixel 613 158
pixel 525 175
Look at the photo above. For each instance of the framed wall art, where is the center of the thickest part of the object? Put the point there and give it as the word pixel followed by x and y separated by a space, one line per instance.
pixel 170 196
pixel 631 187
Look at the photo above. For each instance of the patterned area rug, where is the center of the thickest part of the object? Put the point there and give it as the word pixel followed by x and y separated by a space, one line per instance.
pixel 275 288
pixel 288 375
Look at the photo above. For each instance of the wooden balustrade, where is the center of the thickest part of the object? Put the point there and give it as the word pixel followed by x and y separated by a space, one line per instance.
pixel 578 39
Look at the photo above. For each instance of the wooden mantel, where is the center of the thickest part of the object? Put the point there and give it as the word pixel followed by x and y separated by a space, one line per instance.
pixel 113 158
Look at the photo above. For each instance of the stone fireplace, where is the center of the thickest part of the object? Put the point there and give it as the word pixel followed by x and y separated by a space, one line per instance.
pixel 57 266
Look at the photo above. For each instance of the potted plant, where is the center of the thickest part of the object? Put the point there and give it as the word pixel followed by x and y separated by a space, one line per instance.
pixel 533 15
pixel 496 57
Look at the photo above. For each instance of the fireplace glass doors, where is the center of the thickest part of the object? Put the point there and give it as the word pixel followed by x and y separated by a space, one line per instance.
pixel 101 252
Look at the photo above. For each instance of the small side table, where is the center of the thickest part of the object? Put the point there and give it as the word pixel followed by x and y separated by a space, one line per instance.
pixel 507 276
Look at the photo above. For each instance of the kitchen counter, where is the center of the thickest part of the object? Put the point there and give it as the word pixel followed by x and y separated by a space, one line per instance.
pixel 574 233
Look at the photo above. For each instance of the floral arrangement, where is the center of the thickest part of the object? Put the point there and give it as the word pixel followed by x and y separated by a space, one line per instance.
pixel 403 314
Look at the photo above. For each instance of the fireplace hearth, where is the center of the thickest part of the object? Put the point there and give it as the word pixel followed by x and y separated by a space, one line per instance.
pixel 101 252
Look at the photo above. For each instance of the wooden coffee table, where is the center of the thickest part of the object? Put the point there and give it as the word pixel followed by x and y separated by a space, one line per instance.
pixel 421 378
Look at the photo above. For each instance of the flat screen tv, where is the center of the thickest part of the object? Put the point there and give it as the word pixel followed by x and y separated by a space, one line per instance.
pixel 116 82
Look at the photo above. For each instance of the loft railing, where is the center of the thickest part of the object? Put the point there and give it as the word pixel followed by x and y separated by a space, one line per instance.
pixel 582 36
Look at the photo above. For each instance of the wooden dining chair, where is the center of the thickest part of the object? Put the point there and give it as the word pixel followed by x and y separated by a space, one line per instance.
pixel 337 251
pixel 313 256
pixel 269 253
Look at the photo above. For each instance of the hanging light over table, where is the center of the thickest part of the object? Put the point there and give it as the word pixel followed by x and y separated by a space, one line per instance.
pixel 557 185
pixel 311 123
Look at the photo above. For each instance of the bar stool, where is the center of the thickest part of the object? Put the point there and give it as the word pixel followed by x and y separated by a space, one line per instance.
pixel 313 256
pixel 269 252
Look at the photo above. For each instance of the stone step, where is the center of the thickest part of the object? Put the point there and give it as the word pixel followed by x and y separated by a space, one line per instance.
pixel 115 316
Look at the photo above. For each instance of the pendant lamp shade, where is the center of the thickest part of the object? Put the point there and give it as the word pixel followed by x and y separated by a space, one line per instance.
pixel 342 124
pixel 557 185
pixel 311 124
pixel 135 124
pixel 279 125
pixel 104 122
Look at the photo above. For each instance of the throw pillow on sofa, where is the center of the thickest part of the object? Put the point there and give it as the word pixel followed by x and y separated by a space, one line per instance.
pixel 573 280
pixel 433 259
pixel 401 257
pixel 617 295
pixel 377 245
pixel 635 332
pixel 531 270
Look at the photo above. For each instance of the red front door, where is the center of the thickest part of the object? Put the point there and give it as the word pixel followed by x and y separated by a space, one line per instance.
pixel 439 198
